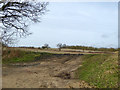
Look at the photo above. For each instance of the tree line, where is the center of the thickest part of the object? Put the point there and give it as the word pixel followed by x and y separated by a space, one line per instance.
pixel 64 46
pixel 92 48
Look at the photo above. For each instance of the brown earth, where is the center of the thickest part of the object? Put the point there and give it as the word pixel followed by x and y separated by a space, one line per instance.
pixel 57 71
pixel 63 51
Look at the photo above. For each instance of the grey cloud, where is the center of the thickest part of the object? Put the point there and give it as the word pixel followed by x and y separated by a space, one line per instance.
pixel 104 36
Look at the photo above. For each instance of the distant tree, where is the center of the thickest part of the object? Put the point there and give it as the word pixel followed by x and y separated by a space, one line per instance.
pixel 45 46
pixel 39 48
pixel 64 46
pixel 59 45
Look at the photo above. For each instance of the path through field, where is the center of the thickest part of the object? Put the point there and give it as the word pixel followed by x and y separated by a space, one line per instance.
pixel 53 72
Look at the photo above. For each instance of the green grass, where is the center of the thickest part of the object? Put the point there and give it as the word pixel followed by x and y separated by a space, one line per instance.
pixel 18 56
pixel 100 70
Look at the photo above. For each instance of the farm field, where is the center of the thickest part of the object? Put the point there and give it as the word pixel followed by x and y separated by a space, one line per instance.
pixel 51 68
pixel 50 44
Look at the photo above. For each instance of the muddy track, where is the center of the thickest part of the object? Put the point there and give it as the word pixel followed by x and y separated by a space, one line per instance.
pixel 57 71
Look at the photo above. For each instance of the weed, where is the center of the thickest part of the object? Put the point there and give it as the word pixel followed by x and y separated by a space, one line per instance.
pixel 100 70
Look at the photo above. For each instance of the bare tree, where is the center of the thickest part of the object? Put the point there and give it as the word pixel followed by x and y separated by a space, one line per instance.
pixel 16 16
pixel 59 45
pixel 45 46
pixel 64 46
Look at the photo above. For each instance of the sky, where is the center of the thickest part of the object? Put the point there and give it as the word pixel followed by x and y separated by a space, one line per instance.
pixel 76 23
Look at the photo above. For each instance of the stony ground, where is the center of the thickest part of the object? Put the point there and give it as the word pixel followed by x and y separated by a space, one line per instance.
pixel 53 72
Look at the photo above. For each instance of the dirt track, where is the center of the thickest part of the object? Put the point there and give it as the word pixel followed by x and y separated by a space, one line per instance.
pixel 53 72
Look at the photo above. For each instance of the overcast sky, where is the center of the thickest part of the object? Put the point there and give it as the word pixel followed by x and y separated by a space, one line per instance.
pixel 76 23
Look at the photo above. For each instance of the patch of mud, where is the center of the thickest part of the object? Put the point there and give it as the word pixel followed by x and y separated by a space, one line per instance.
pixel 64 75
pixel 53 72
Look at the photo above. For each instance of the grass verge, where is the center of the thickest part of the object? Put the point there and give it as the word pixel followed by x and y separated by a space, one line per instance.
pixel 18 56
pixel 100 70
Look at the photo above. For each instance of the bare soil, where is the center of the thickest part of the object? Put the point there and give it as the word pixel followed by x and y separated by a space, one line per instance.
pixel 57 71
